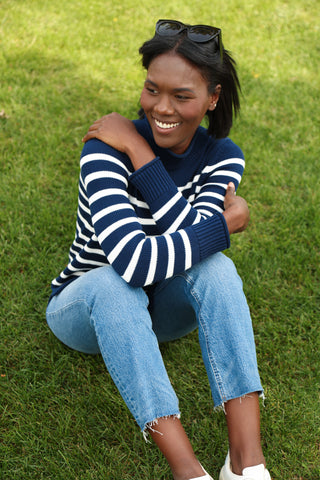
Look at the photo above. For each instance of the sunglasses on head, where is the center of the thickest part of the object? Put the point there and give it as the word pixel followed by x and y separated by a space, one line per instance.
pixel 195 33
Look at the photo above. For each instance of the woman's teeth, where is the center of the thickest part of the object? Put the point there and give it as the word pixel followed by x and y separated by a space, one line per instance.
pixel 165 125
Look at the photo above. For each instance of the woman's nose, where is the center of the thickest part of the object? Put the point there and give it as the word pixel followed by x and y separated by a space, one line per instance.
pixel 163 106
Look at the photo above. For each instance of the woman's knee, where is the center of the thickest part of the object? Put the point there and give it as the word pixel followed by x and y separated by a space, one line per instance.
pixel 101 298
pixel 70 323
pixel 114 304
pixel 218 270
pixel 117 292
pixel 104 286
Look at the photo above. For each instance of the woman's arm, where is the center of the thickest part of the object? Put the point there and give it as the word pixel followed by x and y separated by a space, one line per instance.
pixel 121 134
pixel 139 259
pixel 170 210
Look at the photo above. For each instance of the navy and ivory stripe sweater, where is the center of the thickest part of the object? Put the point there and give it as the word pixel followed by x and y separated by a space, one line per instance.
pixel 155 222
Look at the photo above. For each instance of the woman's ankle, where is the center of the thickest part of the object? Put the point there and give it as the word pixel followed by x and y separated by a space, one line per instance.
pixel 172 440
pixel 243 420
pixel 187 470
pixel 240 460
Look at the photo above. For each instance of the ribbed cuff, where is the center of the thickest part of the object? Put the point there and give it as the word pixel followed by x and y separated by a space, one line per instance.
pixel 152 180
pixel 213 235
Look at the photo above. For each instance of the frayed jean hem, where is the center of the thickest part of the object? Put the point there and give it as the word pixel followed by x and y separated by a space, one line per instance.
pixel 221 406
pixel 149 426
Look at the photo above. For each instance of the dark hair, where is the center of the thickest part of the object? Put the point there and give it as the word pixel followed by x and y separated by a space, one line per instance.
pixel 216 70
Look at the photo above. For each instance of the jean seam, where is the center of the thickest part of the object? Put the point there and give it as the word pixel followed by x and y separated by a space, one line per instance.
pixel 66 307
pixel 202 324
pixel 112 371
pixel 69 305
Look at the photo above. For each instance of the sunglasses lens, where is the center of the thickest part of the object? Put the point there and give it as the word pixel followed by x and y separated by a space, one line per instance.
pixel 200 33
pixel 196 33
pixel 168 28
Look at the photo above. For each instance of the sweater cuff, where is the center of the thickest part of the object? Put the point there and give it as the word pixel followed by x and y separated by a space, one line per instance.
pixel 213 235
pixel 152 180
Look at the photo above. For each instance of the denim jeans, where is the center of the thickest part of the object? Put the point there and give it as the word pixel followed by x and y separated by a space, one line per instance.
pixel 100 313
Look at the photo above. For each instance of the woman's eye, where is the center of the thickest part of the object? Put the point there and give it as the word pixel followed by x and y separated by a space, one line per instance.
pixel 182 97
pixel 152 91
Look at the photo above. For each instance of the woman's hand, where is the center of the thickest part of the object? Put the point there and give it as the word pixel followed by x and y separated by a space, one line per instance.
pixel 236 211
pixel 113 129
pixel 121 134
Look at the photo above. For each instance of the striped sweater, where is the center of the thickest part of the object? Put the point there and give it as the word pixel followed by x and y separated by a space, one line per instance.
pixel 155 222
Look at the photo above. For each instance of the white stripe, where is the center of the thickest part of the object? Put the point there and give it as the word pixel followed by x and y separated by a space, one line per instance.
pixel 81 184
pixel 81 236
pixel 107 192
pixel 176 224
pixel 113 208
pixel 187 249
pixel 198 218
pixel 189 184
pixel 209 205
pixel 91 157
pixel 213 168
pixel 138 203
pixel 76 274
pixel 209 194
pixel 119 247
pixel 146 221
pixel 153 261
pixel 104 174
pixel 96 251
pixel 205 214
pixel 171 256
pixel 215 184
pixel 166 207
pixel 112 228
pixel 85 222
pixel 83 207
pixel 228 161
pixel 83 264
pixel 191 198
pixel 198 189
pixel 226 173
pixel 133 262
pixel 79 245
pixel 83 261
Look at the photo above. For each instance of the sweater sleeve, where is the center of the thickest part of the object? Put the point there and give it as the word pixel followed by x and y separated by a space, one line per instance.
pixel 140 260
pixel 169 207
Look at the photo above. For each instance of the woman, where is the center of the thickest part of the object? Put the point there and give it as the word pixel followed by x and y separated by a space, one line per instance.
pixel 157 205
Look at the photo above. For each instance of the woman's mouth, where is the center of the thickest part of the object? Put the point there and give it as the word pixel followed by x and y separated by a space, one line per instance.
pixel 165 125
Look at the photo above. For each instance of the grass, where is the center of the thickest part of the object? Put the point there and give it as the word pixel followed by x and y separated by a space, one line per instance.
pixel 61 67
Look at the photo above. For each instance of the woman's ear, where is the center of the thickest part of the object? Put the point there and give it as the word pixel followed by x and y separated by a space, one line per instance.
pixel 214 97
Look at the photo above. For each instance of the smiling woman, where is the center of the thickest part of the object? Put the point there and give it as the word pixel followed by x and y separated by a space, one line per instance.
pixel 156 208
pixel 175 99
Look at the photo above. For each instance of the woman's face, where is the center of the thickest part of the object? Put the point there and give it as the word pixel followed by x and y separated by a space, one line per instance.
pixel 175 99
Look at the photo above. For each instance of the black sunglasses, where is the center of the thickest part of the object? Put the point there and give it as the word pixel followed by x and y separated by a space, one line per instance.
pixel 195 33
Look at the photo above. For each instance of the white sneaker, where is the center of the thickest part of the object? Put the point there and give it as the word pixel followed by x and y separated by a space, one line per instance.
pixel 204 477
pixel 258 472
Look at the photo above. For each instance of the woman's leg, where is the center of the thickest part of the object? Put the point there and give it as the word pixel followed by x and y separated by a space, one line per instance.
pixel 243 421
pixel 100 312
pixel 211 294
pixel 173 442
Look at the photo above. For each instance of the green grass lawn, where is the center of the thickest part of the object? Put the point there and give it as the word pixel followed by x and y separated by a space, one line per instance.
pixel 64 64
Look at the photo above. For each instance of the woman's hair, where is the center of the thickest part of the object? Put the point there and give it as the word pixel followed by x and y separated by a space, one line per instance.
pixel 214 67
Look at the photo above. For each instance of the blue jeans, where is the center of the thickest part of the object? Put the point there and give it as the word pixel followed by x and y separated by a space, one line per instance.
pixel 100 313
